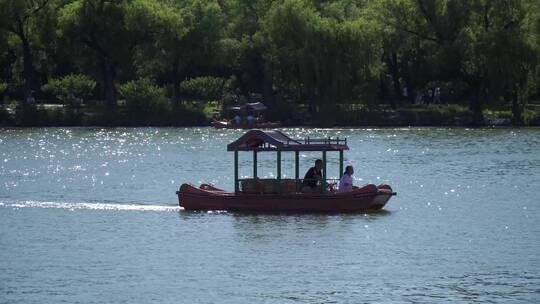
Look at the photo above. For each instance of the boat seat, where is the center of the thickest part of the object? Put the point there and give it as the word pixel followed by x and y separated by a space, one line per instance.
pixel 268 186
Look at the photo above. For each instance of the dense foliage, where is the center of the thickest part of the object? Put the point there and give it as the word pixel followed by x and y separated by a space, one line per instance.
pixel 203 88
pixel 322 55
pixel 71 87
pixel 142 95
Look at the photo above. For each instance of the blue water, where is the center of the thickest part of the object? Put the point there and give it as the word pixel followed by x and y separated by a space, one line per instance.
pixel 91 216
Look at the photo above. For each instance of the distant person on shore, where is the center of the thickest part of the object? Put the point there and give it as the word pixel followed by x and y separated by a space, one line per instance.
pixel 346 181
pixel 237 119
pixel 30 100
pixel 419 97
pixel 437 97
pixel 250 119
pixel 260 118
pixel 312 177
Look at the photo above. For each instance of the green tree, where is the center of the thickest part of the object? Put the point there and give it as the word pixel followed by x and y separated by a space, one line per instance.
pixel 500 60
pixel 205 88
pixel 421 41
pixel 99 27
pixel 482 43
pixel 242 49
pixel 320 59
pixel 178 40
pixel 71 87
pixel 143 96
pixel 21 18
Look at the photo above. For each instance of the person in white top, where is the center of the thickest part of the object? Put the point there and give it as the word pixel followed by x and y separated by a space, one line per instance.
pixel 346 181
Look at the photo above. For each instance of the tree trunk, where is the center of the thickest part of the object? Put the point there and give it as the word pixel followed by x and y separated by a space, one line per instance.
pixel 268 93
pixel 175 77
pixel 519 99
pixel 394 71
pixel 176 91
pixel 517 111
pixel 108 70
pixel 312 102
pixel 109 88
pixel 382 89
pixel 476 107
pixel 28 67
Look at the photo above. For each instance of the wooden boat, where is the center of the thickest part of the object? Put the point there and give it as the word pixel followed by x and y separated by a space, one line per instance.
pixel 207 197
pixel 225 124
pixel 279 194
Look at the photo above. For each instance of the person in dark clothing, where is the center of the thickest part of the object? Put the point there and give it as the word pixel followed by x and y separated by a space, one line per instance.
pixel 313 175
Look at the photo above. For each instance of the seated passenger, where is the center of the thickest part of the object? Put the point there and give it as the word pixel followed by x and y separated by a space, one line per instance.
pixel 250 119
pixel 346 181
pixel 312 177
pixel 237 119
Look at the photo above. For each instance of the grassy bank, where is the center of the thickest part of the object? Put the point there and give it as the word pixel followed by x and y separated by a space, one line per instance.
pixel 200 114
pixel 431 115
pixel 59 115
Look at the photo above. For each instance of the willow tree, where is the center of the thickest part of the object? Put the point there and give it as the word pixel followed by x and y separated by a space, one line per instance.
pixel 175 39
pixel 422 41
pixel 323 60
pixel 501 57
pixel 98 26
pixel 242 51
pixel 159 29
pixel 485 44
pixel 521 58
pixel 21 18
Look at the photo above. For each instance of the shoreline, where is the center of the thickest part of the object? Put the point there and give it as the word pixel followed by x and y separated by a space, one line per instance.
pixel 365 127
pixel 449 115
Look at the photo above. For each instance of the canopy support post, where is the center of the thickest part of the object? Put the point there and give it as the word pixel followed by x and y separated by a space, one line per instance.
pixel 340 163
pixel 279 170
pixel 236 188
pixel 324 171
pixel 254 164
pixel 296 164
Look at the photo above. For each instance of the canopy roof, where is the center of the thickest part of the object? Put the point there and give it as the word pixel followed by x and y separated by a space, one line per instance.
pixel 252 106
pixel 259 140
pixel 257 106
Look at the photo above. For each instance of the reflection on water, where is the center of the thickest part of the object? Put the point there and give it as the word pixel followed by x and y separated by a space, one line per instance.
pixel 91 215
pixel 87 206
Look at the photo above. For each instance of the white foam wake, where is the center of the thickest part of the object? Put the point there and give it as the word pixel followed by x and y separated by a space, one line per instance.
pixel 88 206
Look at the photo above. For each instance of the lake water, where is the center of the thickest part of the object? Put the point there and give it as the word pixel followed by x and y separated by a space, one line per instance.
pixel 91 216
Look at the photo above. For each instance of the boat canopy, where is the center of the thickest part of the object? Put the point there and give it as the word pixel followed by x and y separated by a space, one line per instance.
pixel 257 106
pixel 274 140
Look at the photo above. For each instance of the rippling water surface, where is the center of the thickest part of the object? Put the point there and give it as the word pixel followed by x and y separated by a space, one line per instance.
pixel 91 216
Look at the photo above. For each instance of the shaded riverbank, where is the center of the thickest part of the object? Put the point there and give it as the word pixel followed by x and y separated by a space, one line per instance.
pixel 43 115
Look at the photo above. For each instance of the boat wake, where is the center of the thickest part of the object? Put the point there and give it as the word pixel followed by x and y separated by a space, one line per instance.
pixel 88 206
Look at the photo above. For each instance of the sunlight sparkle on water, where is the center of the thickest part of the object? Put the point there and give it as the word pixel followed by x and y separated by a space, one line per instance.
pixel 88 206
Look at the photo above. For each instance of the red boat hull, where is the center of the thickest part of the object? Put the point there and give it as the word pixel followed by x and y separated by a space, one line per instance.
pixel 206 197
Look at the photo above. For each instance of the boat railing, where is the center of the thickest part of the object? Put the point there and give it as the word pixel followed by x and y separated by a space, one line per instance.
pixel 324 141
pixel 284 185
